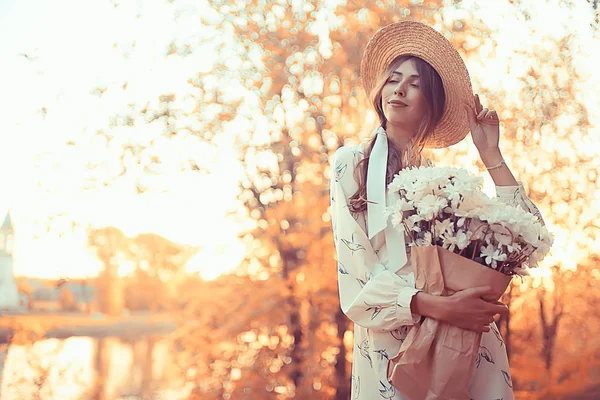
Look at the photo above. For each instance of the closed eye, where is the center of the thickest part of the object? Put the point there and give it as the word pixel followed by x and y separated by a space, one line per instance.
pixel 395 81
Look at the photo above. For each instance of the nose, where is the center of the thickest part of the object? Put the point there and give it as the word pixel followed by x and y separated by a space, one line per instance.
pixel 399 90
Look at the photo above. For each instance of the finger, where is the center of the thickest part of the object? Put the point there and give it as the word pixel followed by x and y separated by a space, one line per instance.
pixel 480 328
pixel 499 309
pixel 478 106
pixel 482 113
pixel 478 291
pixel 471 115
pixel 491 118
pixel 491 114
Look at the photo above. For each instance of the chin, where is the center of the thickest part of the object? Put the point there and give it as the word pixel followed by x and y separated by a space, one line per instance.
pixel 397 121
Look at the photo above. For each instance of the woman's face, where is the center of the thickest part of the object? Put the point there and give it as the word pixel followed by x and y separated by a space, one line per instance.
pixel 403 102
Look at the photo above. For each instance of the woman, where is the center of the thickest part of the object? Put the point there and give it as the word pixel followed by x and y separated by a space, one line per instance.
pixel 421 91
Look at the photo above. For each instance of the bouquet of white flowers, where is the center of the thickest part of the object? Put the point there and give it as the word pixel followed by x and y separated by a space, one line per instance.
pixel 445 207
pixel 459 238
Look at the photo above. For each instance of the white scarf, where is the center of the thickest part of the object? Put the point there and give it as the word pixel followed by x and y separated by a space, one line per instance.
pixel 376 202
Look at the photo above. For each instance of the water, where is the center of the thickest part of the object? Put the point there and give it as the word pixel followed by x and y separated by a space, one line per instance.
pixel 80 368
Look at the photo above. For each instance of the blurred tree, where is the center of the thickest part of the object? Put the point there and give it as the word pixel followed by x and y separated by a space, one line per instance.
pixel 553 133
pixel 286 88
pixel 299 64
pixel 112 247
pixel 551 305
pixel 146 292
pixel 596 10
pixel 158 268
pixel 161 259
pixel 546 120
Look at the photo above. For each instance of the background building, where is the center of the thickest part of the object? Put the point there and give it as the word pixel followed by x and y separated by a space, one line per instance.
pixel 9 294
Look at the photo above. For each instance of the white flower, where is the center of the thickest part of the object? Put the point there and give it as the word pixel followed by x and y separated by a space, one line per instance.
pixel 492 255
pixel 452 193
pixel 449 241
pixel 397 219
pixel 412 222
pixel 470 206
pixel 477 228
pixel 463 239
pixel 467 181
pixel 444 226
pixel 403 205
pixel 530 233
pixel 426 240
pixel 539 254
pixel 494 213
pixel 547 237
pixel 500 228
pixel 415 191
pixel 542 250
pixel 513 247
pixel 502 234
pixel 430 206
pixel 397 184
pixel 396 211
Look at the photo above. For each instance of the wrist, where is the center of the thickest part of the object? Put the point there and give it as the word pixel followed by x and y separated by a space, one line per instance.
pixel 440 308
pixel 429 305
pixel 491 157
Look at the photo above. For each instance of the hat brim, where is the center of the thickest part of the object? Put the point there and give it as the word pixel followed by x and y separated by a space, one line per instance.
pixel 413 38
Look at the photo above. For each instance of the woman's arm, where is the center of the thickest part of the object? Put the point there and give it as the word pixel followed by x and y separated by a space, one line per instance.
pixel 375 298
pixel 485 132
pixel 508 189
pixel 499 171
pixel 370 295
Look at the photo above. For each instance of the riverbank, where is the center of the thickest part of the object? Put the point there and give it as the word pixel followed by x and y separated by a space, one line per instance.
pixel 21 328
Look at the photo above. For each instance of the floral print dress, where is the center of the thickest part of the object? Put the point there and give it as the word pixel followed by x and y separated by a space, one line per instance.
pixel 375 293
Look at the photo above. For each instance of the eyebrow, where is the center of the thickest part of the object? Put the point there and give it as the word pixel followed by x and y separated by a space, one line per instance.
pixel 400 73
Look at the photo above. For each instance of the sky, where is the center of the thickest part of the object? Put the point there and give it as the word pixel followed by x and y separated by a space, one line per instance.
pixel 66 58
pixel 54 54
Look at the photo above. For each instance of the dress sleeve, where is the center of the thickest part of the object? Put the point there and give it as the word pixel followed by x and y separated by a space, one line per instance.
pixel 370 295
pixel 516 196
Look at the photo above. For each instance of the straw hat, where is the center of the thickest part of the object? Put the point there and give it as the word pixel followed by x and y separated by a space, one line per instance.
pixel 417 39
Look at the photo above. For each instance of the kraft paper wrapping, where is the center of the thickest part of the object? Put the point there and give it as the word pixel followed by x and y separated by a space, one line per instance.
pixel 436 360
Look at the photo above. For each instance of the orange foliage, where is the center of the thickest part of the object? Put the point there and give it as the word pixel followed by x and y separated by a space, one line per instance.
pixel 273 329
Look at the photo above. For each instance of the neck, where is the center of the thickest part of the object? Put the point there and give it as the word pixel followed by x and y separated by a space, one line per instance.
pixel 398 136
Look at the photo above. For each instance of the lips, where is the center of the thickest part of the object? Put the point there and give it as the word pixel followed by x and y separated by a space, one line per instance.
pixel 397 103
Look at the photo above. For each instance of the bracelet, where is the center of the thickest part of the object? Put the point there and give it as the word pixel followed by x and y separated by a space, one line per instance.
pixel 496 166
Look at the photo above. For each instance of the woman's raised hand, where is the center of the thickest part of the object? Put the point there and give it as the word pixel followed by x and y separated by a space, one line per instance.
pixel 485 127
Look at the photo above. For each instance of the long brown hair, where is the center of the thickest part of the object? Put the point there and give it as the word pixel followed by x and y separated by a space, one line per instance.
pixel 433 91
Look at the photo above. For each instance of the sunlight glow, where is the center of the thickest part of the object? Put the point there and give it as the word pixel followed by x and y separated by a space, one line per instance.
pixel 70 88
pixel 62 80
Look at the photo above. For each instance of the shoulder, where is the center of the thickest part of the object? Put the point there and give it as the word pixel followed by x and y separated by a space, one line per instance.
pixel 349 155
pixel 343 164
